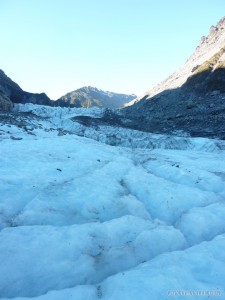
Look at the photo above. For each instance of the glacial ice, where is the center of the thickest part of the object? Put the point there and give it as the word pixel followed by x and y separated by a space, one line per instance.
pixel 81 219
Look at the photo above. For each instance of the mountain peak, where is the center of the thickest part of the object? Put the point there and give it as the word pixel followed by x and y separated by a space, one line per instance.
pixel 221 23
pixel 88 87
pixel 89 96
pixel 216 33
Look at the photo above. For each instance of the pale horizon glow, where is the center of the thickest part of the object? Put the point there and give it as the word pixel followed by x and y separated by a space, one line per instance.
pixel 124 46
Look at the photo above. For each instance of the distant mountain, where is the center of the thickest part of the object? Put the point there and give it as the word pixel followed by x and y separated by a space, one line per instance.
pixel 91 96
pixel 11 92
pixel 192 99
pixel 15 94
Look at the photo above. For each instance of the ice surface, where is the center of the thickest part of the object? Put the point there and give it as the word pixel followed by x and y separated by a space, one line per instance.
pixel 81 219
pixel 61 118
pixel 50 112
pixel 203 224
pixel 200 268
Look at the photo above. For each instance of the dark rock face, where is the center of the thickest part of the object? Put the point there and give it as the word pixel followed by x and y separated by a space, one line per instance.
pixel 90 97
pixel 13 91
pixel 41 99
pixel 5 103
pixel 9 88
pixel 175 111
pixel 197 108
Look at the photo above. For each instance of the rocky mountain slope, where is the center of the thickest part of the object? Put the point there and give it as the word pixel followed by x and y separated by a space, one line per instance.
pixel 5 103
pixel 13 91
pixel 192 99
pixel 93 97
pixel 206 49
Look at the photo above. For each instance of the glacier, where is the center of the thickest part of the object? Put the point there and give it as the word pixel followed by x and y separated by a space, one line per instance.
pixel 102 212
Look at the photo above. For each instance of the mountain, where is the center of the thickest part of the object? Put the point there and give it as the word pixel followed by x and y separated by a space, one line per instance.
pixel 15 94
pixel 90 96
pixel 11 92
pixel 192 99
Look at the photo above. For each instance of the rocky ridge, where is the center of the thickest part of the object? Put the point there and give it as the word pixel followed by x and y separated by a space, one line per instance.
pixel 15 94
pixel 192 100
pixel 5 103
pixel 208 46
pixel 92 97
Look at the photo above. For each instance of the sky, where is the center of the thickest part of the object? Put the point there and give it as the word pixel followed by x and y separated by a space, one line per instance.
pixel 126 46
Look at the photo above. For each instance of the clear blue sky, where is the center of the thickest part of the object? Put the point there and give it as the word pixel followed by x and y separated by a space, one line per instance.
pixel 56 46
